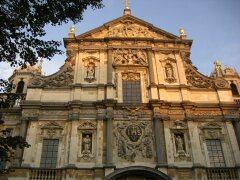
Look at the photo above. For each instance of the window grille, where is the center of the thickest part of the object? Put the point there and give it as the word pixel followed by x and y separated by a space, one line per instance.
pixel 131 91
pixel 49 153
pixel 215 153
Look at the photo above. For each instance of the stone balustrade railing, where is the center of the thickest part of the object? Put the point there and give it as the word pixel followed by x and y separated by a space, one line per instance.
pixel 222 173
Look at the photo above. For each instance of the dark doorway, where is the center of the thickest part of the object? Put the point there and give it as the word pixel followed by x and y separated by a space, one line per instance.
pixel 137 173
pixel 20 87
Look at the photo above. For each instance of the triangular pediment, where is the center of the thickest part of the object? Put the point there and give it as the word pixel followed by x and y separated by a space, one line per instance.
pixel 127 27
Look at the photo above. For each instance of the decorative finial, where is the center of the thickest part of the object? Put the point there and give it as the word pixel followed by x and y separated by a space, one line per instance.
pixel 217 65
pixel 127 10
pixel 72 29
pixel 126 4
pixel 182 33
pixel 71 33
pixel 218 68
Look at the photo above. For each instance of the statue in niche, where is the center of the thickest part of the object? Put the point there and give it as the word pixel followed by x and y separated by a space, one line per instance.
pixel 90 72
pixel 179 144
pixel 86 148
pixel 169 71
pixel 86 144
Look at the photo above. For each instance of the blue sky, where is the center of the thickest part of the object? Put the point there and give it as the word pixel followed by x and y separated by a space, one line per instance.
pixel 213 25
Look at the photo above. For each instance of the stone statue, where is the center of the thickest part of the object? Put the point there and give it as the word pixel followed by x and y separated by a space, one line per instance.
pixel 179 144
pixel 169 71
pixel 86 144
pixel 91 71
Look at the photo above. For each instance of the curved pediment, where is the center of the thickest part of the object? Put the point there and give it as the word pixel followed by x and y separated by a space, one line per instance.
pixel 62 78
pixel 127 27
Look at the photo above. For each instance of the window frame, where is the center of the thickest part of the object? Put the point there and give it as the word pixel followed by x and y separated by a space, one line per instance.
pixel 215 153
pixel 45 162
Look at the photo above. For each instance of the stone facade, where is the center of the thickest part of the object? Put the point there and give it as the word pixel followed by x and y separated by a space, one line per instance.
pixel 102 134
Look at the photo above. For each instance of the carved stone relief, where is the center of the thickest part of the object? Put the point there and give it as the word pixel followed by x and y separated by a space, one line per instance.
pixel 90 64
pixel 180 141
pixel 63 78
pixel 87 138
pixel 129 57
pixel 134 140
pixel 128 29
pixel 131 76
pixel 221 83
pixel 51 130
pixel 196 80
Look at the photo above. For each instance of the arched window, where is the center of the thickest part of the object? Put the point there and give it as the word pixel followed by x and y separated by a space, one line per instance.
pixel 20 87
pixel 234 89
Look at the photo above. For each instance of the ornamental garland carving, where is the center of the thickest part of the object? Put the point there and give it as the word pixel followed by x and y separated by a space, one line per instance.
pixel 62 78
pixel 134 140
pixel 129 29
pixel 130 76
pixel 51 130
pixel 196 80
pixel 129 57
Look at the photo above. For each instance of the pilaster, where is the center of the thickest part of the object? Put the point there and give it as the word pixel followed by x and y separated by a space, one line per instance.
pixel 160 141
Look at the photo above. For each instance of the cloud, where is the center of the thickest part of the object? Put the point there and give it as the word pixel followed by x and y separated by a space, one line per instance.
pixel 6 70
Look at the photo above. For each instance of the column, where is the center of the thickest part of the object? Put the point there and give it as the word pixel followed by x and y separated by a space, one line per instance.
pixel 19 152
pixel 160 141
pixel 150 64
pixel 109 118
pixel 109 67
pixel 109 89
pixel 153 87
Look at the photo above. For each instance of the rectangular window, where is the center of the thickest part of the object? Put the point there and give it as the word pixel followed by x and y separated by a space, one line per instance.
pixel 131 91
pixel 215 153
pixel 49 153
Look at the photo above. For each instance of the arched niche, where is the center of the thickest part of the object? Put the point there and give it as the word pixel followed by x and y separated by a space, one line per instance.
pixel 234 89
pixel 20 87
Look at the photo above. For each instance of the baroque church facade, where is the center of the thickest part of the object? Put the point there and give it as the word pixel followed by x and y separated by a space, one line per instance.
pixel 126 105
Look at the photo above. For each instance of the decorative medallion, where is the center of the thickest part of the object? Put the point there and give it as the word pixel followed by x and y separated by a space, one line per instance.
pixel 221 83
pixel 134 132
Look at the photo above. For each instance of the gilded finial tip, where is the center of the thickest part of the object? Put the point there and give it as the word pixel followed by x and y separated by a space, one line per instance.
pixel 182 31
pixel 72 29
